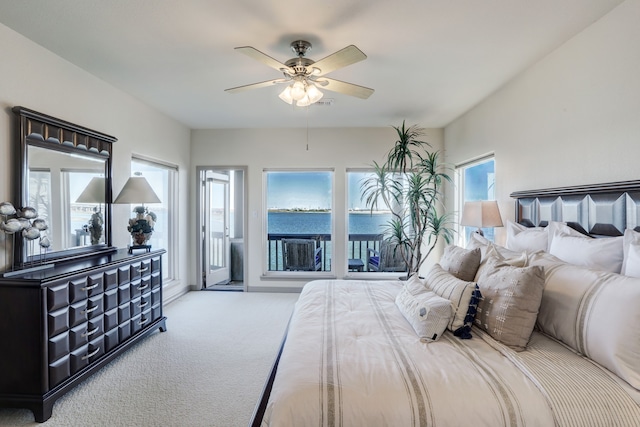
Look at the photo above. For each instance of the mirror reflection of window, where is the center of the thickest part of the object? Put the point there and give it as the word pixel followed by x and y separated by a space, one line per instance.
pixel 40 199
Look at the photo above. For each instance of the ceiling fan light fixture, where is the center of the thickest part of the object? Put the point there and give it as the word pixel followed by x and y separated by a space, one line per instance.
pixel 313 93
pixel 297 90
pixel 304 102
pixel 285 95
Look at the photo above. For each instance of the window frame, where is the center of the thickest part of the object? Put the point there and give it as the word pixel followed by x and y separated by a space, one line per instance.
pixel 296 275
pixel 459 189
pixel 384 275
pixel 170 267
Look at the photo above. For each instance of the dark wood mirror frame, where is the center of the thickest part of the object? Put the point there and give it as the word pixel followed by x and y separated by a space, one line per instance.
pixel 40 130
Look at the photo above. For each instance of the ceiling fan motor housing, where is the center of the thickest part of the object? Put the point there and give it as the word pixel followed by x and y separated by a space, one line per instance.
pixel 300 65
pixel 300 47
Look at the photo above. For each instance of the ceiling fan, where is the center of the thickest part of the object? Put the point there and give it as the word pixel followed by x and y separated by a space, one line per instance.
pixel 304 75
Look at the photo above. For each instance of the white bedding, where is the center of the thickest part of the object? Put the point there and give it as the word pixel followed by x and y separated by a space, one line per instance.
pixel 351 359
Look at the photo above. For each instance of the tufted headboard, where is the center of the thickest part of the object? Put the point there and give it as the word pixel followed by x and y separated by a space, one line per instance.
pixel 597 210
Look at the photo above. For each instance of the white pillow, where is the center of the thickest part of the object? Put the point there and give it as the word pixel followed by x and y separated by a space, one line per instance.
pixel 632 259
pixel 425 311
pixel 555 227
pixel 600 254
pixel 530 239
pixel 594 312
pixel 631 262
pixel 486 246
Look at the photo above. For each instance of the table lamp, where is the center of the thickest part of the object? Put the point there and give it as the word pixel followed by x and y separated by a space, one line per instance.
pixel 481 214
pixel 138 190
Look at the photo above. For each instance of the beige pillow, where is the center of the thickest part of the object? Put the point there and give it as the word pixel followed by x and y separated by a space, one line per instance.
pixel 510 301
pixel 596 313
pixel 462 263
pixel 459 292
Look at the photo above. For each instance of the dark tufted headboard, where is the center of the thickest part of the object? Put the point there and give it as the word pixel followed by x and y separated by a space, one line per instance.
pixel 596 210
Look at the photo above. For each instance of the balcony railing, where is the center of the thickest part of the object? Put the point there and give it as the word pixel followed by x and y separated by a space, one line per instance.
pixel 356 249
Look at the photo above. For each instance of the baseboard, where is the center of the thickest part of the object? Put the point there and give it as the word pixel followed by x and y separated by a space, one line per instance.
pixel 280 289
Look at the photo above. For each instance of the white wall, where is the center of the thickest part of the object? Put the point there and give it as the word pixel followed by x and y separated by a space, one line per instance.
pixel 286 148
pixel 33 77
pixel 573 118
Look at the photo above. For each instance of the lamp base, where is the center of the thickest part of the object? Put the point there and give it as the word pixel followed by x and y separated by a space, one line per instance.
pixel 480 232
pixel 147 248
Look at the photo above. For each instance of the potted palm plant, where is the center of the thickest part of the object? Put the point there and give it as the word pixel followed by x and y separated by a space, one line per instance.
pixel 409 184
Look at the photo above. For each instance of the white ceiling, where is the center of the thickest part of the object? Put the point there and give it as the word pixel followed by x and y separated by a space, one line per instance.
pixel 429 61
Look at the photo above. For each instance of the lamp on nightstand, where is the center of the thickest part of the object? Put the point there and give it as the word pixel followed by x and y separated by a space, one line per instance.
pixel 481 214
pixel 138 190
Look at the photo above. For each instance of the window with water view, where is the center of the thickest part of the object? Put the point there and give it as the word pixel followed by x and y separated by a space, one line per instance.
pixel 299 220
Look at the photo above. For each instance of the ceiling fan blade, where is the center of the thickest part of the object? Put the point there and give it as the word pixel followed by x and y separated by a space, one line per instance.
pixel 346 88
pixel 255 85
pixel 262 57
pixel 347 56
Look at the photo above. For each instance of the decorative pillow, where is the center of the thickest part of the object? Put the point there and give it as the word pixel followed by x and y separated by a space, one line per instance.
pixel 460 262
pixel 510 301
pixel 458 292
pixel 631 251
pixel 464 332
pixel 530 239
pixel 600 254
pixel 427 313
pixel 596 313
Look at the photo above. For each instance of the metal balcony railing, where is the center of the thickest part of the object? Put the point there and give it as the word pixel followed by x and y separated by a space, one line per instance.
pixel 356 249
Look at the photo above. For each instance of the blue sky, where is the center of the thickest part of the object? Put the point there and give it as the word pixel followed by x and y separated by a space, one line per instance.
pixel 308 190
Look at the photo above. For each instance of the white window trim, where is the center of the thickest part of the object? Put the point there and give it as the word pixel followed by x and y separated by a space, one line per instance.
pixel 295 275
pixel 460 189
pixel 172 270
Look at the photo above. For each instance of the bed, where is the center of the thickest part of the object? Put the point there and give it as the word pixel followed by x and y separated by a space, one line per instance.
pixel 532 338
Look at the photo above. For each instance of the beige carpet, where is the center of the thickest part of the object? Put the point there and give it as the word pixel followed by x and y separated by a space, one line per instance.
pixel 208 369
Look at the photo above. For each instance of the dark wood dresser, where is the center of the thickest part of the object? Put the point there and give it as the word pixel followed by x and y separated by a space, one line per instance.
pixel 60 325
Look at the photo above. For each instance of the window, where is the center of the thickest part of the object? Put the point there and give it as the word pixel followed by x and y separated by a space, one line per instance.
pixel 365 227
pixel 299 220
pixel 162 179
pixel 475 181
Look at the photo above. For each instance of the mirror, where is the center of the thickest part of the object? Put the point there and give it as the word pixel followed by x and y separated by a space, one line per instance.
pixel 68 192
pixel 65 175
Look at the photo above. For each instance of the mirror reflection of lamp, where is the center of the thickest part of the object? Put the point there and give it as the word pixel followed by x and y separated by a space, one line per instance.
pixel 138 190
pixel 94 193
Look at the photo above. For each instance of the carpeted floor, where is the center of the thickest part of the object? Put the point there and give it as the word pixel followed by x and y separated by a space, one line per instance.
pixel 208 369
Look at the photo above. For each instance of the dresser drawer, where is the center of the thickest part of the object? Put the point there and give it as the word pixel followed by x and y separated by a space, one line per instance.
pixel 59 371
pixel 57 296
pixel 58 346
pixel 111 299
pixel 58 321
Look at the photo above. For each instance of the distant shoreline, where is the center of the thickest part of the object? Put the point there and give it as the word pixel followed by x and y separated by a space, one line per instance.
pixel 306 211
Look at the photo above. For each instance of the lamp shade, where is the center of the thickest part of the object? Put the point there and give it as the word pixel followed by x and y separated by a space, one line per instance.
pixel 137 190
pixel 94 191
pixel 481 214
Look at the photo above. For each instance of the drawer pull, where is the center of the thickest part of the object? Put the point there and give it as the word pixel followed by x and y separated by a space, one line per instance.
pixel 143 321
pixel 143 287
pixel 144 304
pixel 88 288
pixel 86 356
pixel 142 270
pixel 91 332
pixel 89 310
